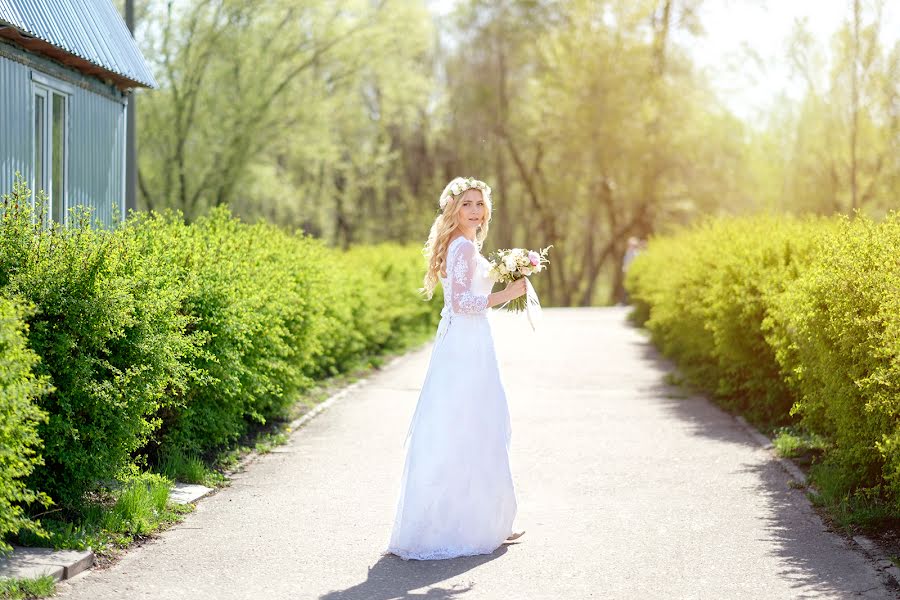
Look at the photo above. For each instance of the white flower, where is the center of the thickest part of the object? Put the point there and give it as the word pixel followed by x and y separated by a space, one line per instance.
pixel 525 271
pixel 503 270
pixel 460 184
pixel 510 263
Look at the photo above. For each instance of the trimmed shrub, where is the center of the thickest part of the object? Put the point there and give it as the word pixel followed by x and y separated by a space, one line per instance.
pixel 706 293
pixel 160 334
pixel 257 309
pixel 390 309
pixel 787 321
pixel 19 418
pixel 270 313
pixel 761 258
pixel 109 338
pixel 836 332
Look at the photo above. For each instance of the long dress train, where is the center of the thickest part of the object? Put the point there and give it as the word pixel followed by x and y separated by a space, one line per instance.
pixel 456 493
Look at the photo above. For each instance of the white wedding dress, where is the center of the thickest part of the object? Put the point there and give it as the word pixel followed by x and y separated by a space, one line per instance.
pixel 456 493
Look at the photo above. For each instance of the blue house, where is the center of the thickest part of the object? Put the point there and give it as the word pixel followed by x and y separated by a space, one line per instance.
pixel 66 70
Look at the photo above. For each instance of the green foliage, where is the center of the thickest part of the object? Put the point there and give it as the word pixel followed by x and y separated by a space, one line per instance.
pixel 391 312
pixel 186 467
pixel 790 321
pixel 112 517
pixel 19 418
pixel 271 312
pixel 300 141
pixel 109 338
pixel 366 109
pixel 707 294
pixel 19 589
pixel 792 442
pixel 140 505
pixel 167 341
pixel 256 309
pixel 870 508
pixel 837 336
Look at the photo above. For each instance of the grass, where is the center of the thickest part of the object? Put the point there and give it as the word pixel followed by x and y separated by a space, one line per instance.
pixel 795 444
pixel 865 509
pixel 271 441
pixel 16 589
pixel 188 468
pixel 111 518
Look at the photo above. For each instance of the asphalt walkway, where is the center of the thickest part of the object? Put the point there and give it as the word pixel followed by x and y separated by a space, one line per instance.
pixel 626 489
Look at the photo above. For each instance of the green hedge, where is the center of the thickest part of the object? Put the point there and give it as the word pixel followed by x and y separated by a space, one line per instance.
pixel 161 335
pixel 109 335
pixel 789 321
pixel 836 333
pixel 19 417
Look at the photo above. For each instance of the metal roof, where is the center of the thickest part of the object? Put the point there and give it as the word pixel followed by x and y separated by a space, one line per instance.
pixel 92 30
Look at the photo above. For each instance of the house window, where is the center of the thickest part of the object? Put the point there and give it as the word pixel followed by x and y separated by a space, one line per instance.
pixel 51 118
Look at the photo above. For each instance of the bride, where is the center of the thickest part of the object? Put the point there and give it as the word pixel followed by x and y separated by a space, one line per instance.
pixel 456 493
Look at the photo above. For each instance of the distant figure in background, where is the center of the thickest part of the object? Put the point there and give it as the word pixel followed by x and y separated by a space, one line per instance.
pixel 634 248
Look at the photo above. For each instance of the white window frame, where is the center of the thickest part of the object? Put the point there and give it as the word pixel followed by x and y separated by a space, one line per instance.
pixel 47 88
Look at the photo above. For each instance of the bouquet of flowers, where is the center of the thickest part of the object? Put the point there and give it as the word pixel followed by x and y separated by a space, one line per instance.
pixel 516 263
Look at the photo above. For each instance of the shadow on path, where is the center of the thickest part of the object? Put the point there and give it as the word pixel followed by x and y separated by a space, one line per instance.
pixel 392 578
pixel 706 418
pixel 813 556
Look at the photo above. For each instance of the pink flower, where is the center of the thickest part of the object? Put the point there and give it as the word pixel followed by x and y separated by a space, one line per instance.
pixel 534 257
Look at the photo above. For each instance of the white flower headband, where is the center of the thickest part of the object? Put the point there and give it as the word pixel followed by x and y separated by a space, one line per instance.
pixel 461 184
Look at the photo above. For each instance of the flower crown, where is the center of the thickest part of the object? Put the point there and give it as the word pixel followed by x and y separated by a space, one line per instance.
pixel 460 185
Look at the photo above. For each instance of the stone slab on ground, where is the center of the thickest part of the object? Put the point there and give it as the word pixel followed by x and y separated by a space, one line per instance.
pixel 627 490
pixel 185 493
pixel 29 563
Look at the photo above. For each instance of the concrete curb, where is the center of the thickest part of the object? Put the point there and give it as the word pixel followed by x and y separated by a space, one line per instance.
pixel 31 563
pixel 865 545
pixel 185 493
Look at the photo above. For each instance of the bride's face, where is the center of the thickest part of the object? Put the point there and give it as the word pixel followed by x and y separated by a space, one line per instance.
pixel 471 211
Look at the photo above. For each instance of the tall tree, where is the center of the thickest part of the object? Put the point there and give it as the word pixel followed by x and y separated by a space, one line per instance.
pixel 252 90
pixel 844 137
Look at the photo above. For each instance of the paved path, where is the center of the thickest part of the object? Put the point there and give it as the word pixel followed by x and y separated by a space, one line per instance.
pixel 626 490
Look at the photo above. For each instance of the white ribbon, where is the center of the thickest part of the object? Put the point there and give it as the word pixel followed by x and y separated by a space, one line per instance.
pixel 532 305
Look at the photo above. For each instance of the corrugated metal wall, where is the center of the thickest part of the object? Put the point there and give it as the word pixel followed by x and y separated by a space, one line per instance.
pixel 16 129
pixel 96 137
pixel 96 153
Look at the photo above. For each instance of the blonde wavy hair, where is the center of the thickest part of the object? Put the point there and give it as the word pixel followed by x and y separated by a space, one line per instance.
pixel 444 225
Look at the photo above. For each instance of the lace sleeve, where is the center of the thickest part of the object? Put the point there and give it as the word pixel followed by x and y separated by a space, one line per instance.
pixel 461 271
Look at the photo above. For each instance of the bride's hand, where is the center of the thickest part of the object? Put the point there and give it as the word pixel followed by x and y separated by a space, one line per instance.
pixel 516 288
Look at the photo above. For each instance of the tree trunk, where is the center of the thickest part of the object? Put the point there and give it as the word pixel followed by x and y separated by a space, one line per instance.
pixel 854 106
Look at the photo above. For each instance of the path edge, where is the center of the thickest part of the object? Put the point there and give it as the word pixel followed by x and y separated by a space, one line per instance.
pixel 294 425
pixel 297 424
pixel 863 543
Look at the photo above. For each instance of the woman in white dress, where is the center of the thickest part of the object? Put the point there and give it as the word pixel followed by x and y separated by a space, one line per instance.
pixel 456 493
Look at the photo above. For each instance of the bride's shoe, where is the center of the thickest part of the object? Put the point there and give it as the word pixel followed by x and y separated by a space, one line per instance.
pixel 515 535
